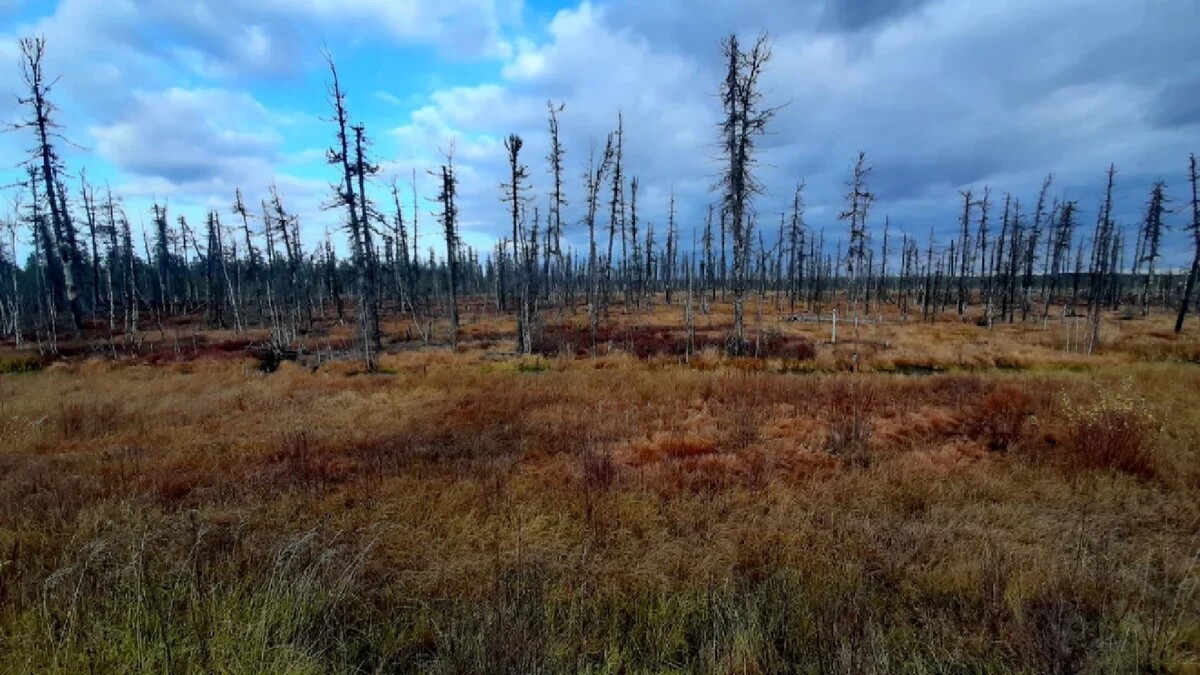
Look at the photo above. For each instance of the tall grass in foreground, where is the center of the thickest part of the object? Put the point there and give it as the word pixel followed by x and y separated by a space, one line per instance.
pixel 312 605
pixel 603 517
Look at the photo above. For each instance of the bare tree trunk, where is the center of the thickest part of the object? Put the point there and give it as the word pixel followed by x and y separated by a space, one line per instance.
pixel 1190 284
pixel 359 228
pixel 33 50
pixel 447 198
pixel 594 180
pixel 745 120
pixel 514 196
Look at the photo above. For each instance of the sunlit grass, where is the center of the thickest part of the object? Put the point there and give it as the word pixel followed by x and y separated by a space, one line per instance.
pixel 485 512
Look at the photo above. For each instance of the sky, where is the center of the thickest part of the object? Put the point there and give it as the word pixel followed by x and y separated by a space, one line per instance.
pixel 184 102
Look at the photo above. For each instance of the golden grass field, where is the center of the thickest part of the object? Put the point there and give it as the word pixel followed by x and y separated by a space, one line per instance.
pixel 920 498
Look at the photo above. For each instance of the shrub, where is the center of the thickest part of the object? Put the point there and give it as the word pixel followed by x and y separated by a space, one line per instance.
pixel 1115 432
pixel 1000 419
pixel 773 344
pixel 850 423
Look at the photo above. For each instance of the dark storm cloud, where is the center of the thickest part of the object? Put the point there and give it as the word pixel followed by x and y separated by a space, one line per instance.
pixel 696 26
pixel 901 178
pixel 1178 103
pixel 861 14
pixel 942 95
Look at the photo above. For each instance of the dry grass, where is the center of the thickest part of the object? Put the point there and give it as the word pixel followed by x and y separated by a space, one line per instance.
pixel 482 512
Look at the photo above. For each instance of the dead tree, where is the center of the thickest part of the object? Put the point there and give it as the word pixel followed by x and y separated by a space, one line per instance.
pixel 370 292
pixel 963 242
pixel 252 257
pixel 1016 245
pixel 1030 249
pixel 514 195
pixel 112 256
pixel 132 295
pixel 795 270
pixel 616 206
pixel 723 274
pixel 49 168
pixel 593 181
pixel 403 269
pixel 557 198
pixel 1194 226
pixel 635 265
pixel 449 216
pixel 529 290
pixel 182 256
pixel 332 283
pixel 50 267
pixel 1102 243
pixel 881 284
pixel 348 198
pixel 14 305
pixel 745 120
pixel 1152 228
pixel 230 289
pixel 707 263
pixel 89 211
pixel 928 302
pixel 162 260
pixel 984 268
pixel 858 205
pixel 1064 231
pixel 998 279
pixel 648 249
pixel 213 286
pixel 672 248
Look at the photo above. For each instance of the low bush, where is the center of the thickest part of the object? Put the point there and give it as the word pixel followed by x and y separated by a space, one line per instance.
pixel 1000 419
pixel 1114 432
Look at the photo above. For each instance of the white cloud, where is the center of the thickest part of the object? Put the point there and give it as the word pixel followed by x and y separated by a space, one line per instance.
pixel 598 72
pixel 940 93
pixel 163 87
pixel 189 135
pixel 192 148
pixel 471 27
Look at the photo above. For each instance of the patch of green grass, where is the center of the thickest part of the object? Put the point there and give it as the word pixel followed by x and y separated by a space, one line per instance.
pixel 916 369
pixel 537 366
pixel 23 363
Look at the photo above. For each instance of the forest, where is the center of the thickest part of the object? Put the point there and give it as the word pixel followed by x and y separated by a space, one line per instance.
pixel 89 275
pixel 742 445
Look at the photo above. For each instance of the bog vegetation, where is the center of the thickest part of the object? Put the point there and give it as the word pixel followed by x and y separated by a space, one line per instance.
pixel 234 452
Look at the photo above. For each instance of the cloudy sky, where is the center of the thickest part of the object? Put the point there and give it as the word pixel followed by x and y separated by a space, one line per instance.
pixel 186 101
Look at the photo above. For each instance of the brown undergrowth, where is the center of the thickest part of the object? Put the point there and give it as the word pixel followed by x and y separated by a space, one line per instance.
pixel 473 512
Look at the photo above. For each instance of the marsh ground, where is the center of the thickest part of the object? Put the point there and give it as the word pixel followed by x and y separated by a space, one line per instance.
pixel 919 497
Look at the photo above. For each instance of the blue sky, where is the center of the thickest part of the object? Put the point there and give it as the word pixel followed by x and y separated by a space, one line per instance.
pixel 186 101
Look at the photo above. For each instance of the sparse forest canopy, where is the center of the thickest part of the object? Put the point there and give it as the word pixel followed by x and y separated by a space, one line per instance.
pixel 89 273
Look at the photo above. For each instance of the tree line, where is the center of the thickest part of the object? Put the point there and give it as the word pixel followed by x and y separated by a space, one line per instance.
pixel 248 267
